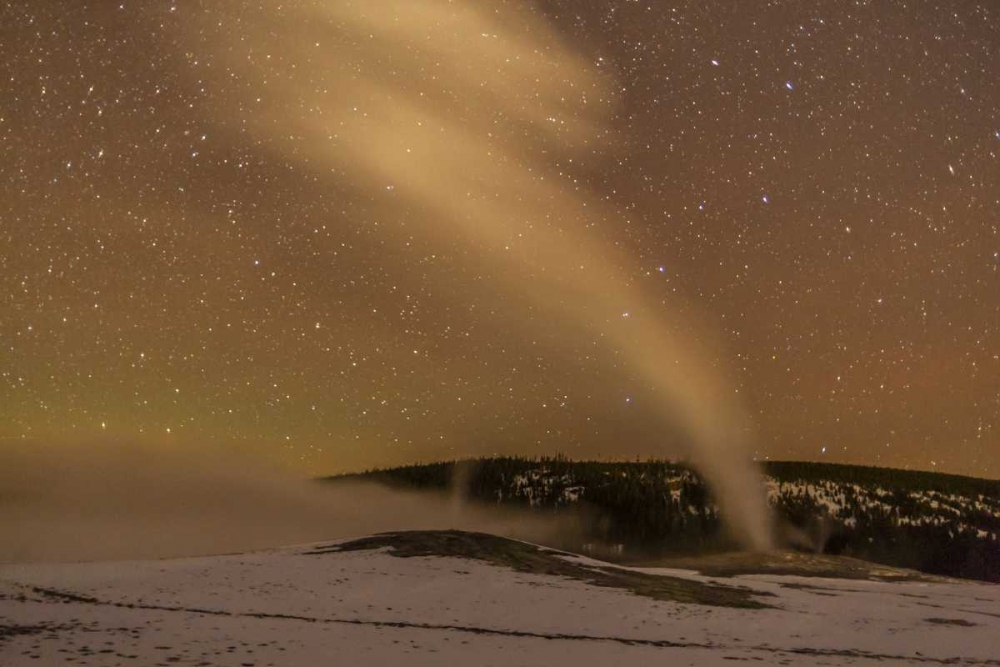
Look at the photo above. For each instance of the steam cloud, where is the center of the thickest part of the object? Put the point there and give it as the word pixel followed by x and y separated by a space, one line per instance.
pixel 111 500
pixel 460 110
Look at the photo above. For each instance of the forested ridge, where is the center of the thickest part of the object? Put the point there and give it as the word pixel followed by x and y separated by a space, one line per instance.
pixel 936 523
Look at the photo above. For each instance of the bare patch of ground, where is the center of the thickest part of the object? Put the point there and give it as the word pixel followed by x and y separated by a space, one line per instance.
pixel 790 563
pixel 529 558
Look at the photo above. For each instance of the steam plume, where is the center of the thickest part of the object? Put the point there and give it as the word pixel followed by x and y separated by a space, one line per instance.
pixel 459 110
pixel 104 500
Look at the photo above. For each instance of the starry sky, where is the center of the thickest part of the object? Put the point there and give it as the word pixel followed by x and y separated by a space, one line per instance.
pixel 363 234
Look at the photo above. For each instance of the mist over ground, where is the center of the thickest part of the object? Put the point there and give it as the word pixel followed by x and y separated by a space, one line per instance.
pixel 112 501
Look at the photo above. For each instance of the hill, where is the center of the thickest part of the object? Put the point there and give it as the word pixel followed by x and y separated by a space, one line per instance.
pixel 638 511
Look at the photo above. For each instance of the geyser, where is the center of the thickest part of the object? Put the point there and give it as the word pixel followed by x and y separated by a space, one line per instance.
pixel 471 158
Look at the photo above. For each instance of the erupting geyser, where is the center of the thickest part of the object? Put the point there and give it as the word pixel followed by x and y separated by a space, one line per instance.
pixel 471 159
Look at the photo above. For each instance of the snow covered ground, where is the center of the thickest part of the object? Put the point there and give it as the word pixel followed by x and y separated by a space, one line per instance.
pixel 296 607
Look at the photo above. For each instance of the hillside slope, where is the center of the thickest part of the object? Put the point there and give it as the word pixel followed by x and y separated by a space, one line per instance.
pixel 939 524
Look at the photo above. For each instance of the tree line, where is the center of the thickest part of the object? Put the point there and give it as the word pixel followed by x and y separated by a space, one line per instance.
pixel 652 508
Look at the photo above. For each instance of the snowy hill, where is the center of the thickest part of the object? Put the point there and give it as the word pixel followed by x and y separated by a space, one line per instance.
pixel 935 523
pixel 458 598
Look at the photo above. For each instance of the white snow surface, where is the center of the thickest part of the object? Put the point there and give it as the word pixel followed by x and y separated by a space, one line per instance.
pixel 290 607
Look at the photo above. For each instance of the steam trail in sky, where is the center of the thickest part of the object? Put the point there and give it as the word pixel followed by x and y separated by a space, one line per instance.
pixel 460 111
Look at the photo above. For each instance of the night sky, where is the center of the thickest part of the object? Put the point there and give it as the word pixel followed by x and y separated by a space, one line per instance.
pixel 360 234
